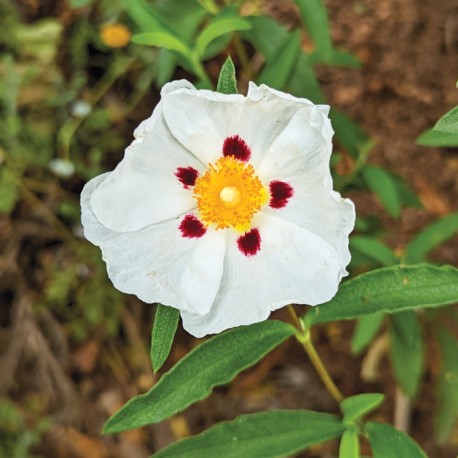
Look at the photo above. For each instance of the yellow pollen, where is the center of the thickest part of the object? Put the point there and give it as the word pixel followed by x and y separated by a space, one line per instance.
pixel 229 194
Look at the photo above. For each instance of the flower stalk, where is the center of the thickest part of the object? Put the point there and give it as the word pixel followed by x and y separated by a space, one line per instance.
pixel 305 339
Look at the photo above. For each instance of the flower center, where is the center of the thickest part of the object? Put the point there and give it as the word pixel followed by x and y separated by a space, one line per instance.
pixel 229 194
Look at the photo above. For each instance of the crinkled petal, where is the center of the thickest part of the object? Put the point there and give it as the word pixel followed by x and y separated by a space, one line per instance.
pixel 146 125
pixel 265 92
pixel 304 145
pixel 156 263
pixel 143 189
pixel 215 117
pixel 293 266
pixel 300 157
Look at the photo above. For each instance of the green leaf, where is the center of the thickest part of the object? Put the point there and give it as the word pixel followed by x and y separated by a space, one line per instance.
pixel 266 35
pixel 214 362
pixel 387 442
pixel 142 15
pixel 437 138
pixel 447 411
pixel 163 39
pixel 406 350
pixel 349 135
pixel 383 184
pixel 227 81
pixel 220 25
pixel 303 82
pixel 209 5
pixel 349 444
pixel 266 434
pixel 433 235
pixel 366 328
pixel 374 249
pixel 277 71
pixel 448 122
pixel 315 17
pixel 391 290
pixel 164 328
pixel 356 406
pixel 337 58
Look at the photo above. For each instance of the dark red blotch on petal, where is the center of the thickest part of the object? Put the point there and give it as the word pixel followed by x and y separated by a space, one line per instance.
pixel 191 227
pixel 280 193
pixel 235 146
pixel 250 242
pixel 187 176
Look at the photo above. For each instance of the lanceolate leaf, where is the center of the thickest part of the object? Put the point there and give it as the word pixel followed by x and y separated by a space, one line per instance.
pixel 383 184
pixel 365 330
pixel 227 82
pixel 217 27
pixel 387 442
pixel 162 39
pixel 438 138
pixel 373 248
pixel 315 17
pixel 165 325
pixel 448 122
pixel 406 351
pixel 356 406
pixel 447 412
pixel 267 434
pixel 212 363
pixel 390 290
pixel 433 235
pixel 279 69
pixel 349 444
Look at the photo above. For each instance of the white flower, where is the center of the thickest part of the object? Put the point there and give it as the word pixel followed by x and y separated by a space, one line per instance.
pixel 223 208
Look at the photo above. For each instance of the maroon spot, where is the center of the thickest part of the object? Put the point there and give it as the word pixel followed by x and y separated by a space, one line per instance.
pixel 191 227
pixel 235 146
pixel 280 193
pixel 250 242
pixel 187 176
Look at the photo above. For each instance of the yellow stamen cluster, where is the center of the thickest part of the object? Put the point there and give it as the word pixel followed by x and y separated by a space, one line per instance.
pixel 229 194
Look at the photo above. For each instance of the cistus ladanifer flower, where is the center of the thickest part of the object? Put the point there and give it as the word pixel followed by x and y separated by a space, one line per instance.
pixel 223 207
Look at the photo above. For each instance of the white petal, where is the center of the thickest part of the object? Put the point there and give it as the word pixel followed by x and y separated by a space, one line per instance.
pixel 265 92
pixel 156 263
pixel 304 146
pixel 300 157
pixel 292 266
pixel 146 125
pixel 143 189
pixel 202 120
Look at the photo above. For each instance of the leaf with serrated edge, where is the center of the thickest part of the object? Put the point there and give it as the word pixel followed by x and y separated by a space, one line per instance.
pixel 356 406
pixel 267 435
pixel 214 362
pixel 227 82
pixel 164 328
pixel 390 290
pixel 387 442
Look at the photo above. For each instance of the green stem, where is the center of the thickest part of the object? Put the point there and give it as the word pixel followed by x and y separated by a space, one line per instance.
pixel 305 339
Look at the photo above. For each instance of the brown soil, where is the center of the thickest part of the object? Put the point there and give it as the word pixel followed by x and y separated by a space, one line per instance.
pixel 410 66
